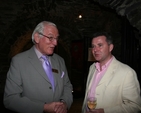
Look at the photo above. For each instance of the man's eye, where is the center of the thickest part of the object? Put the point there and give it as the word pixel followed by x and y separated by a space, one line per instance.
pixel 50 38
pixel 100 45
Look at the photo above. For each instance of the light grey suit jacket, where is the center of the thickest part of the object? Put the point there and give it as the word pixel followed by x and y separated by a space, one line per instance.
pixel 118 91
pixel 27 87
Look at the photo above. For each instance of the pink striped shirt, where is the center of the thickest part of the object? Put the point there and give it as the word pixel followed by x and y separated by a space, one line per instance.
pixel 98 75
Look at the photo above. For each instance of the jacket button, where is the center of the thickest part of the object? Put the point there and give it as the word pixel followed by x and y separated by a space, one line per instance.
pixel 50 87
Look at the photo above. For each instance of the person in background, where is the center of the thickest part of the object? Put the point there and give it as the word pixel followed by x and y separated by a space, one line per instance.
pixel 112 83
pixel 28 88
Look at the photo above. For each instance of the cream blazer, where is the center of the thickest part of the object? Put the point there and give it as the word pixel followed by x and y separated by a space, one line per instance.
pixel 118 91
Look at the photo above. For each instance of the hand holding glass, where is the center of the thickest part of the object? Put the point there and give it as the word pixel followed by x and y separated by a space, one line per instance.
pixel 91 102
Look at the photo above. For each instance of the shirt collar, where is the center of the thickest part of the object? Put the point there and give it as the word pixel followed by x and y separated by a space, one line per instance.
pixel 38 53
pixel 97 65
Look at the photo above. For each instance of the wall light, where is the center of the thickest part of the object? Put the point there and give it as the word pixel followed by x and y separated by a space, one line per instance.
pixel 80 16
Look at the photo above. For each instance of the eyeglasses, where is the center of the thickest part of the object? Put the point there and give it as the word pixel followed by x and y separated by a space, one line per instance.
pixel 50 38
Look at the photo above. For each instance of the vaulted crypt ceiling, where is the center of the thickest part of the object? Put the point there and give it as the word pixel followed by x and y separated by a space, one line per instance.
pixel 19 17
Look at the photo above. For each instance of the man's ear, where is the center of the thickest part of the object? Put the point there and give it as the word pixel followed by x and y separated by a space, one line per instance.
pixel 111 47
pixel 36 38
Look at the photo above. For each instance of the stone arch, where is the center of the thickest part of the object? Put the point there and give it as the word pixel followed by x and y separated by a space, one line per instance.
pixel 129 8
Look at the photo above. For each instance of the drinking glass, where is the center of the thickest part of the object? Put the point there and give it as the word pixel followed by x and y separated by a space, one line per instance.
pixel 92 102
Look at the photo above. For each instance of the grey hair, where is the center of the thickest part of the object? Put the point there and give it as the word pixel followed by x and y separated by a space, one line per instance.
pixel 40 27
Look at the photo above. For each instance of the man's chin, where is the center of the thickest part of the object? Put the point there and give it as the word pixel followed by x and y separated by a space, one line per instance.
pixel 96 58
pixel 51 53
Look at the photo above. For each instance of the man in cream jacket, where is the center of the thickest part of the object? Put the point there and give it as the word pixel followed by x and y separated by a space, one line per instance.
pixel 114 84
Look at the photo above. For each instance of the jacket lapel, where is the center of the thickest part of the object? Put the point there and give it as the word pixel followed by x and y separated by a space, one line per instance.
pixel 33 59
pixel 91 76
pixel 55 67
pixel 109 73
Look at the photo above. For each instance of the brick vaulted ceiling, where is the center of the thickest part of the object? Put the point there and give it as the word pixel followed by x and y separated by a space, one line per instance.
pixel 19 17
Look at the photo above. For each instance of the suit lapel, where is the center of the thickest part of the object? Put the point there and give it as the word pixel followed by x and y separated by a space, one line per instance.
pixel 109 73
pixel 91 76
pixel 54 65
pixel 33 59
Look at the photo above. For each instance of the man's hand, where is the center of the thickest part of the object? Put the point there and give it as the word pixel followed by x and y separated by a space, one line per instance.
pixel 61 108
pixel 55 107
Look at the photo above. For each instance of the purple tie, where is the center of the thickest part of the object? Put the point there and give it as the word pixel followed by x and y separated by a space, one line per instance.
pixel 48 70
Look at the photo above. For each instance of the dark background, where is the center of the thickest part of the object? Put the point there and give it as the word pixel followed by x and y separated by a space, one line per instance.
pixel 120 18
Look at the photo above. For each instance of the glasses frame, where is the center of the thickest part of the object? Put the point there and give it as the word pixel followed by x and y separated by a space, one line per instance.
pixel 50 38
